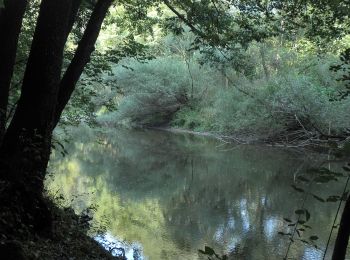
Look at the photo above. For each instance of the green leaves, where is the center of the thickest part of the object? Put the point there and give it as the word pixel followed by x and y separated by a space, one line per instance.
pixel 307 215
pixel 207 251
pixel 324 175
pixel 324 179
pixel 318 198
pixel 345 195
pixel 284 234
pixel 301 178
pixel 319 176
pixel 299 211
pixel 313 238
pixel 323 172
pixel 211 253
pixel 297 188
pixel 333 198
pixel 346 168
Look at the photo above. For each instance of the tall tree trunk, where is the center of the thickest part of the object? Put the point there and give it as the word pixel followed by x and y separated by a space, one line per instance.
pixel 262 50
pixel 10 26
pixel 25 150
pixel 81 57
pixel 342 240
pixel 73 15
pixel 1 10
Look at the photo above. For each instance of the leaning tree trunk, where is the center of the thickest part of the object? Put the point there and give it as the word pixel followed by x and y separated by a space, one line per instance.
pixel 10 26
pixel 25 149
pixel 26 146
pixel 81 57
pixel 342 240
pixel 73 14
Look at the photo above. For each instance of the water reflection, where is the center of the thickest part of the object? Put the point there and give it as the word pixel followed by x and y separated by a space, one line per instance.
pixel 120 249
pixel 169 195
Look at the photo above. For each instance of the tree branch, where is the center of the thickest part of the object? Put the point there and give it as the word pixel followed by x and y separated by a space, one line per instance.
pixel 185 20
pixel 81 57
pixel 10 26
pixel 74 11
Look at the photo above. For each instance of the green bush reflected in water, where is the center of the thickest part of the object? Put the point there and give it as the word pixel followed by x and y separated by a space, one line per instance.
pixel 176 193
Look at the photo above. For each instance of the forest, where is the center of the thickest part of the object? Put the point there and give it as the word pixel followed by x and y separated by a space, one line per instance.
pixel 221 125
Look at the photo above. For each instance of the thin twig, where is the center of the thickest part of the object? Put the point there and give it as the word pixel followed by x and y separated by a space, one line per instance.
pixel 296 225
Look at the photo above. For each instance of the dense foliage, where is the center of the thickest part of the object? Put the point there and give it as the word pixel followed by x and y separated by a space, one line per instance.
pixel 274 88
pixel 275 70
pixel 282 80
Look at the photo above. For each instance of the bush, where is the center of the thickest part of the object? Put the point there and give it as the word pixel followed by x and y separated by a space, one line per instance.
pixel 295 95
pixel 282 103
pixel 287 90
pixel 154 91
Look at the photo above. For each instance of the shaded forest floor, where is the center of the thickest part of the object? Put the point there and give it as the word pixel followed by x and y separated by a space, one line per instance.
pixel 66 238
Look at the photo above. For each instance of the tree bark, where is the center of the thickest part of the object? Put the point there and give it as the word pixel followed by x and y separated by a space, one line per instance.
pixel 81 57
pixel 10 26
pixel 25 150
pixel 342 240
pixel 73 14
pixel 263 61
pixel 185 20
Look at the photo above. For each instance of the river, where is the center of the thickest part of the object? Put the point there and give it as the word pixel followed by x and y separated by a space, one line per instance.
pixel 161 195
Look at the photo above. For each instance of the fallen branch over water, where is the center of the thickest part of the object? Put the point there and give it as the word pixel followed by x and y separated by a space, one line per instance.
pixel 300 138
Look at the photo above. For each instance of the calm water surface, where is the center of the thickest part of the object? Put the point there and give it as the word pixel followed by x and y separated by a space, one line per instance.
pixel 164 196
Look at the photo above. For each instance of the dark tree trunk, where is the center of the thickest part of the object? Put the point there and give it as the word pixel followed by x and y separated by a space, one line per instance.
pixel 10 26
pixel 73 15
pixel 81 57
pixel 25 150
pixel 342 240
pixel 262 50
pixel 1 11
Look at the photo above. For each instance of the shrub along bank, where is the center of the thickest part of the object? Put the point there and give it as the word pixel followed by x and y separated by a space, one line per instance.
pixel 282 94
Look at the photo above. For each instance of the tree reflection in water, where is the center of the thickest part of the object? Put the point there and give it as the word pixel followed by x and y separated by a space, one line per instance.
pixel 172 194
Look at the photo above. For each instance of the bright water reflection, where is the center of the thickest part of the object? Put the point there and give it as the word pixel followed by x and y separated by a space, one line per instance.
pixel 171 195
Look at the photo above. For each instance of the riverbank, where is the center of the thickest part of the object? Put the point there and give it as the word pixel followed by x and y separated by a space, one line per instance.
pixel 66 237
pixel 226 138
pixel 157 182
pixel 312 141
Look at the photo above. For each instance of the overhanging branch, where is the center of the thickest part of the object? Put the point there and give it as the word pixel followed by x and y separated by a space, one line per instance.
pixel 185 20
